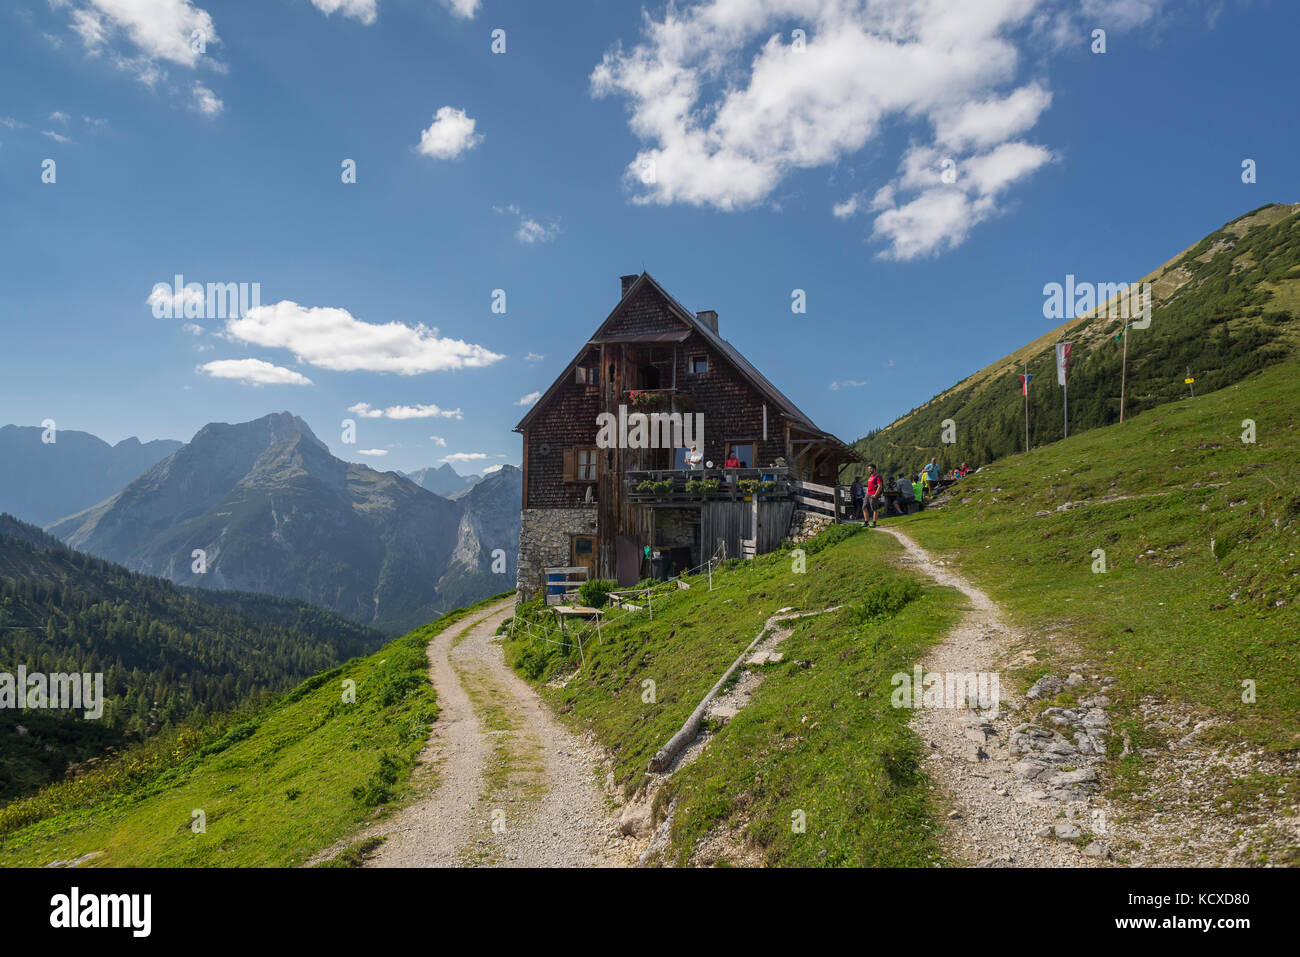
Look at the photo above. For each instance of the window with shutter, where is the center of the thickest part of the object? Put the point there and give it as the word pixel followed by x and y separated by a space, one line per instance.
pixel 569 470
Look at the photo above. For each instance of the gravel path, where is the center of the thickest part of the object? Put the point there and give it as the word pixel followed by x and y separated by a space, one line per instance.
pixel 514 788
pixel 999 820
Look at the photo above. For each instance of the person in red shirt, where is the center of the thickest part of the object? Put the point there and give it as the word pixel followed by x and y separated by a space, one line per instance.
pixel 732 462
pixel 871 507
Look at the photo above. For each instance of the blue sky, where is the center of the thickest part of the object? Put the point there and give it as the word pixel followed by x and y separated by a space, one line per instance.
pixel 776 168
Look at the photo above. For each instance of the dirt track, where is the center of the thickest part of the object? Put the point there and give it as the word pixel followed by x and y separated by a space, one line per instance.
pixel 513 787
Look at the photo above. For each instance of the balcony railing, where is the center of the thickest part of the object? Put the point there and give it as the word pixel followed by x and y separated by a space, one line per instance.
pixel 733 485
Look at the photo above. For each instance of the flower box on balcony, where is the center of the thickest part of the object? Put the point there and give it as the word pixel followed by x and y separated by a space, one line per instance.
pixel 651 487
pixel 645 401
pixel 703 487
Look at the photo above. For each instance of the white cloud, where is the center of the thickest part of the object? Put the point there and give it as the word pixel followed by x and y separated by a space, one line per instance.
pixel 847 208
pixel 205 101
pixel 58 116
pixel 364 410
pixel 983 123
pixel 192 328
pixel 727 106
pixel 534 357
pixel 529 399
pixel 847 384
pixel 253 372
pixel 10 123
pixel 529 230
pixel 142 37
pixel 57 137
pixel 162 298
pixel 372 451
pixel 156 29
pixel 464 457
pixel 96 124
pixel 462 8
pixel 450 134
pixel 438 440
pixel 331 338
pixel 363 10
pixel 939 216
pixel 1121 14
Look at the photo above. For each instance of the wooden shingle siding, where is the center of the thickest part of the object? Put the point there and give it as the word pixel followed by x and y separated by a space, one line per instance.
pixel 568 423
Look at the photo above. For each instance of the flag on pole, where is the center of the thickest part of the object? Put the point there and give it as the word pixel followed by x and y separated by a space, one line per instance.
pixel 1024 383
pixel 1063 350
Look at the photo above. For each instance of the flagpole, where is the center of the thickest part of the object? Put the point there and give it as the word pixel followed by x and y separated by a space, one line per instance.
pixel 1026 388
pixel 1123 376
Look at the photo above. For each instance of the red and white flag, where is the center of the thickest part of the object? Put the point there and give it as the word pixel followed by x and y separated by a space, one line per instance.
pixel 1063 361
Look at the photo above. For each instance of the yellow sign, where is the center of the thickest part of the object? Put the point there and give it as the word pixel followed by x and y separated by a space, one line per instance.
pixel 1188 381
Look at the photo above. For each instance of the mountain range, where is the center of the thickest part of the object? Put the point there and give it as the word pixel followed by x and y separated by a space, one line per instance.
pixel 46 474
pixel 443 480
pixel 263 506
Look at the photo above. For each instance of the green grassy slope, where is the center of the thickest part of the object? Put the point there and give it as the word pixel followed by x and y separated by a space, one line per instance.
pixel 279 785
pixel 1225 307
pixel 1178 616
pixel 1202 587
pixel 819 735
pixel 167 654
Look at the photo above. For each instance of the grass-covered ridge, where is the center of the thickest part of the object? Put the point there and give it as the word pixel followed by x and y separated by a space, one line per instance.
pixel 1225 307
pixel 819 735
pixel 275 786
pixel 1197 614
pixel 169 655
pixel 1202 583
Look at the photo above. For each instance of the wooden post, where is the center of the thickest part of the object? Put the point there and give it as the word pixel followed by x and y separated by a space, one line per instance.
pixel 835 500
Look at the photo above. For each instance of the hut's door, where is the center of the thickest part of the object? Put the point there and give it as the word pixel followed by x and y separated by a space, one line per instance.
pixel 629 560
pixel 582 553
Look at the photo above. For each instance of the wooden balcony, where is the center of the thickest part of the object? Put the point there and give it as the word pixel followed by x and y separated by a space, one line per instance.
pixel 734 485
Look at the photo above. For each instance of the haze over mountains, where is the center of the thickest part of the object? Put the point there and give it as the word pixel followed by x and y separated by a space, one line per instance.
pixel 43 481
pixel 443 480
pixel 272 511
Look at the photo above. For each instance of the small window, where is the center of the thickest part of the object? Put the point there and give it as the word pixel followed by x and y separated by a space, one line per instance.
pixel 586 465
pixel 583 546
pixel 587 375
pixel 697 365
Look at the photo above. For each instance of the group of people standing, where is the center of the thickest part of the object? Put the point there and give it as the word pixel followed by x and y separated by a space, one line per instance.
pixel 867 498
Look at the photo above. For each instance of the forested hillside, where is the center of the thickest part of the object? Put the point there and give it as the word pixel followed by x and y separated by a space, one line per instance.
pixel 1222 309
pixel 167 653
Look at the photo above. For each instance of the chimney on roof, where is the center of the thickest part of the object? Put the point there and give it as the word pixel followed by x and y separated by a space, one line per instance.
pixel 627 282
pixel 709 317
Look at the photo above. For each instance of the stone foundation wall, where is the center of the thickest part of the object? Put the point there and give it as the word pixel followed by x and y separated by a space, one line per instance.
pixel 544 543
pixel 804 525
